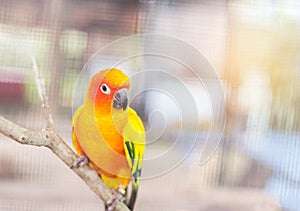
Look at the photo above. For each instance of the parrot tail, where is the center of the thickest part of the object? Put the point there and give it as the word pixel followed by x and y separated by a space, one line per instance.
pixel 131 201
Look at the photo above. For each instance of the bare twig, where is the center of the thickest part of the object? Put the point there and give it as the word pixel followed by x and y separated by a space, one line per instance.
pixel 40 84
pixel 48 138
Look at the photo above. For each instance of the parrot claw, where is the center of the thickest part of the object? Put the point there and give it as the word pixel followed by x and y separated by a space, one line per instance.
pixel 116 197
pixel 82 160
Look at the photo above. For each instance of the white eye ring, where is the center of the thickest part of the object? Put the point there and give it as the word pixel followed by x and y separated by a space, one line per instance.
pixel 105 89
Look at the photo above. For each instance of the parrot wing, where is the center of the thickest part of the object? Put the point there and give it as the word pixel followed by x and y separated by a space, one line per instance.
pixel 134 145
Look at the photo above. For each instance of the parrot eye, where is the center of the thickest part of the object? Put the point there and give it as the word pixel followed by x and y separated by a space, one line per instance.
pixel 105 89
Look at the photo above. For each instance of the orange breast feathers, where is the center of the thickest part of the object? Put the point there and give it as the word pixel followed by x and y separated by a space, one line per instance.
pixel 98 125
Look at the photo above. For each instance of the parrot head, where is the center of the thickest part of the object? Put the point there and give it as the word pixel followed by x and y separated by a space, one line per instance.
pixel 109 89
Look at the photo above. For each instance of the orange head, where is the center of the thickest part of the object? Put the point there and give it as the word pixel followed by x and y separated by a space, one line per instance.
pixel 107 89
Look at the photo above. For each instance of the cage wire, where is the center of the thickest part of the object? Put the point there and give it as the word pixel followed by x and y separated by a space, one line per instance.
pixel 254 48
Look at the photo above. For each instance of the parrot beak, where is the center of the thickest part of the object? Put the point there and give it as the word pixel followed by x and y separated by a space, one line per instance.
pixel 121 99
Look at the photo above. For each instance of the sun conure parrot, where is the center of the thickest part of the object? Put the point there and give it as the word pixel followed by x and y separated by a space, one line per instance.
pixel 109 135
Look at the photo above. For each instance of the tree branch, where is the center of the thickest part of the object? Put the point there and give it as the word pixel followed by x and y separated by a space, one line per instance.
pixel 48 138
pixel 40 84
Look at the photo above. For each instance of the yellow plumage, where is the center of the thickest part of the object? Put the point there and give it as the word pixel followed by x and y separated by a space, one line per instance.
pixel 111 135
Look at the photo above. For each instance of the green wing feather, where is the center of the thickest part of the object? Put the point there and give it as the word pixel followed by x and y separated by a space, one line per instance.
pixel 134 145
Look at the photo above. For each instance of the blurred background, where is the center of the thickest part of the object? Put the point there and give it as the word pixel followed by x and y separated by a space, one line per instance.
pixel 254 46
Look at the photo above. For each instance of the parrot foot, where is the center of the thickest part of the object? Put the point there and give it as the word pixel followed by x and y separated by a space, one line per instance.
pixel 82 160
pixel 116 197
